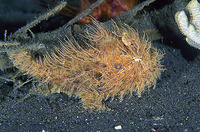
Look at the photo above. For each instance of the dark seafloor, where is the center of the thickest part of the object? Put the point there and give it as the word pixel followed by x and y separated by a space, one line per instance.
pixel 174 105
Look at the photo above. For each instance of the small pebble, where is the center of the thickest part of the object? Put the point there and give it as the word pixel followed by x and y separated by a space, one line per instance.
pixel 119 127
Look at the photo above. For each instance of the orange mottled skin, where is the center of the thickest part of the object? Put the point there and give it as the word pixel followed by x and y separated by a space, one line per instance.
pixel 116 62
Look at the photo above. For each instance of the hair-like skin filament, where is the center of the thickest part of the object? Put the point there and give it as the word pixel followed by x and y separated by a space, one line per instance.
pixel 117 62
